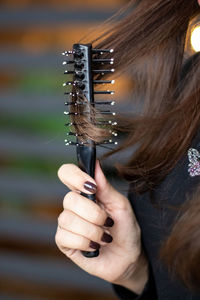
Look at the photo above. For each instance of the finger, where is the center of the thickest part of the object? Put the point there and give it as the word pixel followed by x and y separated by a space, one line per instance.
pixel 66 240
pixel 77 180
pixel 106 193
pixel 73 223
pixel 86 209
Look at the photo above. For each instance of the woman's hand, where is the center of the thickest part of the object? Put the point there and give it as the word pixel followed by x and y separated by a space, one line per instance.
pixel 83 224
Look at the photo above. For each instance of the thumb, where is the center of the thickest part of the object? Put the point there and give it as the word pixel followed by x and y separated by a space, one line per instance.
pixel 106 193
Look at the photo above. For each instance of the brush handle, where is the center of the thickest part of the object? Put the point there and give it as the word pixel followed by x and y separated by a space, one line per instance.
pixel 89 254
pixel 86 156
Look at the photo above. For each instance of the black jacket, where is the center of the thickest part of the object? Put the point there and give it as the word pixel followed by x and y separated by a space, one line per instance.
pixel 156 224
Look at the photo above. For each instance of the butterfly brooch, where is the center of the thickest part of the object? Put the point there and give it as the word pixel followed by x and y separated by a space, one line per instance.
pixel 194 162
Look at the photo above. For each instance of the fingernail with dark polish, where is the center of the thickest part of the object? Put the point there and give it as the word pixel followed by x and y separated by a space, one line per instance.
pixel 91 187
pixel 94 245
pixel 109 222
pixel 106 238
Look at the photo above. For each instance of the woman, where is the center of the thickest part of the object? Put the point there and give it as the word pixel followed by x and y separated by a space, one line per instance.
pixel 150 241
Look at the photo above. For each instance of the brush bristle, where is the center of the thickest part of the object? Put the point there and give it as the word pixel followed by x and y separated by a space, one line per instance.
pixel 86 68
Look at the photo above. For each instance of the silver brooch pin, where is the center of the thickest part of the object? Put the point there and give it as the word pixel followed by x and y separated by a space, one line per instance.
pixel 194 162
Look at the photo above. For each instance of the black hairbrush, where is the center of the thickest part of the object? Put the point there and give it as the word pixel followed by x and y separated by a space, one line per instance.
pixel 85 69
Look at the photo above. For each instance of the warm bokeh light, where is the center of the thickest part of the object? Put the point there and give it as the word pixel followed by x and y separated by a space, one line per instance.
pixel 195 38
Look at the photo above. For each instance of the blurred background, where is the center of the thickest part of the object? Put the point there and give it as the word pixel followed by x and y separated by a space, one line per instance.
pixel 33 33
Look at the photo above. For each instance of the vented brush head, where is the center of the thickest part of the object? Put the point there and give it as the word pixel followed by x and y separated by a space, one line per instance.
pixel 85 70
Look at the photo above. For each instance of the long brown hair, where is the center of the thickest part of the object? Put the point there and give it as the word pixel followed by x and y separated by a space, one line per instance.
pixel 149 40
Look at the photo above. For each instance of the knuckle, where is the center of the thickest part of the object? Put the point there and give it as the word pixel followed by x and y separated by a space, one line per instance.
pixel 83 244
pixel 94 233
pixel 65 200
pixel 69 197
pixel 58 220
pixel 104 217
pixel 63 219
pixel 100 216
pixel 99 233
pixel 72 196
pixel 60 217
pixel 58 237
pixel 89 231
pixel 61 171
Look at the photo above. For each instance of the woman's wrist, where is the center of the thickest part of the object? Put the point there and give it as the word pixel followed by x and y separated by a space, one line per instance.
pixel 138 275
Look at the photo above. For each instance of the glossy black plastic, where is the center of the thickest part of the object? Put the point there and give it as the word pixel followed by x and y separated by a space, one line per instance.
pixel 86 154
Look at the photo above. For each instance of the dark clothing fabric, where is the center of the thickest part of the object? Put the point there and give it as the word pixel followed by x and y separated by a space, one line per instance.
pixel 156 224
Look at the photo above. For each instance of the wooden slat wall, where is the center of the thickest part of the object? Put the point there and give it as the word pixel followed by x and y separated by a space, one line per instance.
pixel 21 287
pixel 32 147
pixel 98 4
